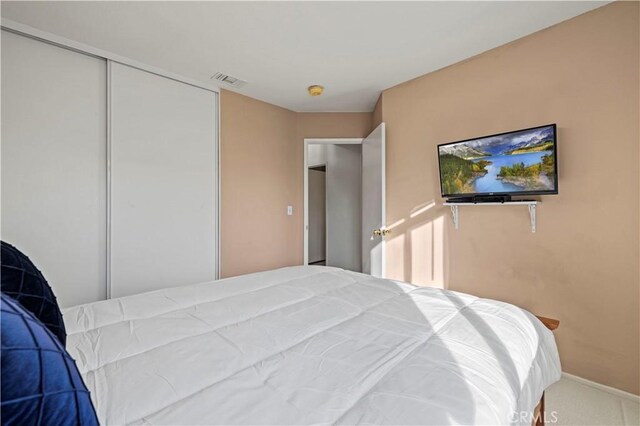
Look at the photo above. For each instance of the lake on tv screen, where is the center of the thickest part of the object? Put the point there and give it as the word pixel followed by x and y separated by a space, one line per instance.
pixel 520 161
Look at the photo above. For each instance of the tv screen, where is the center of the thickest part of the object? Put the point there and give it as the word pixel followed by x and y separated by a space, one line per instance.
pixel 513 163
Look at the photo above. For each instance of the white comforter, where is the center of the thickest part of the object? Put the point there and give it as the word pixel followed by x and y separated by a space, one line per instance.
pixel 309 345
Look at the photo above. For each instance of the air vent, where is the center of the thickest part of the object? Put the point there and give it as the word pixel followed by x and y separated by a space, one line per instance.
pixel 227 79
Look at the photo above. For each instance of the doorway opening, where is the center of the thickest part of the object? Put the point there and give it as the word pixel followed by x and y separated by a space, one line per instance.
pixel 352 171
pixel 334 210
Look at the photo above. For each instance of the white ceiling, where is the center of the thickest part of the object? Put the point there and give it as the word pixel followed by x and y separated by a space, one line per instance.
pixel 354 49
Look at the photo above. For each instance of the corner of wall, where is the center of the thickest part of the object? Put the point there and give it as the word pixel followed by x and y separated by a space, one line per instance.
pixel 377 113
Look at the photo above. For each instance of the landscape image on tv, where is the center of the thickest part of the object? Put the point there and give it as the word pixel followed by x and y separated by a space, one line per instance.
pixel 521 161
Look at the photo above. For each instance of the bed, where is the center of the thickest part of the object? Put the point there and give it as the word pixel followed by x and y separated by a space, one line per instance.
pixel 311 345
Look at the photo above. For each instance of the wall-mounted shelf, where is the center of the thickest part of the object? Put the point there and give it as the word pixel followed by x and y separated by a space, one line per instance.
pixel 531 205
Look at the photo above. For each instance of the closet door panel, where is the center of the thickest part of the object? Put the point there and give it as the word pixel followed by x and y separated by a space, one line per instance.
pixel 54 177
pixel 162 182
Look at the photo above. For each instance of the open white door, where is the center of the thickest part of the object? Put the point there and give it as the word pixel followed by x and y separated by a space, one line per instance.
pixel 373 203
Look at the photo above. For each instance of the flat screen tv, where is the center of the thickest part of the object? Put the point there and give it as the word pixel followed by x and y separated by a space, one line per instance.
pixel 522 162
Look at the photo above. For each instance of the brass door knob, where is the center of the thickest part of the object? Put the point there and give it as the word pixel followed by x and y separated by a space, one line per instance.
pixel 379 232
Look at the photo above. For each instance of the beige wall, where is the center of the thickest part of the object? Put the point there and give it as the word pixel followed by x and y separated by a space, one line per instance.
pixel 376 115
pixel 582 265
pixel 259 163
pixel 333 125
pixel 261 156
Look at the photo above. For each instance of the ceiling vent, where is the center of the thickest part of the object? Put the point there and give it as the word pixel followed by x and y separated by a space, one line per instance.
pixel 227 79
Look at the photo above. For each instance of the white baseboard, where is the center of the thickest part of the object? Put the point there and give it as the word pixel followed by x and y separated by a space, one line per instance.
pixel 604 388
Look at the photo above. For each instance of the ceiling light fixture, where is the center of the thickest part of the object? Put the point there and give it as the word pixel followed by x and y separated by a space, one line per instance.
pixel 315 90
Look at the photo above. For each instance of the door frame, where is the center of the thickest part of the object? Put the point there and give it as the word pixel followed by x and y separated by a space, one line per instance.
pixel 305 172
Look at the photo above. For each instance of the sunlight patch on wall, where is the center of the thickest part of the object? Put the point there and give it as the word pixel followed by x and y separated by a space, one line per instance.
pixel 427 257
pixel 438 253
pixel 396 224
pixel 421 209
pixel 395 258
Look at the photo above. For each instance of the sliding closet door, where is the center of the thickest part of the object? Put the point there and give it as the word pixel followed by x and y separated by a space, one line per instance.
pixel 163 191
pixel 54 164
